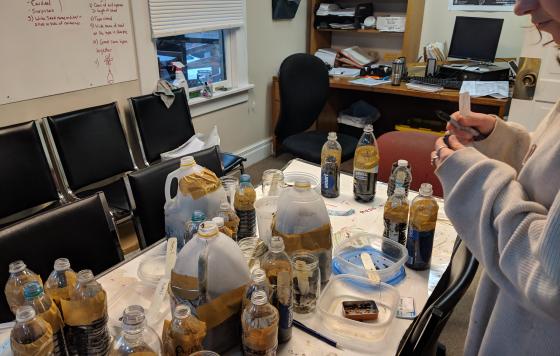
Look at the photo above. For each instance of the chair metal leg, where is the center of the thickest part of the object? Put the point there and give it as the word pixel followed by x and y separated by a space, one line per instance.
pixel 242 168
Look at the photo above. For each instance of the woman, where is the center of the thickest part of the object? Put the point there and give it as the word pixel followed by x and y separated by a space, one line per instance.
pixel 503 197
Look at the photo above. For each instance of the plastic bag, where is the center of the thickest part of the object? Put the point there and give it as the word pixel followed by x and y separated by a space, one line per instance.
pixel 196 143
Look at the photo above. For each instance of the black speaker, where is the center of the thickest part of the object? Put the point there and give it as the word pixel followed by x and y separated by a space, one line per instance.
pixel 284 9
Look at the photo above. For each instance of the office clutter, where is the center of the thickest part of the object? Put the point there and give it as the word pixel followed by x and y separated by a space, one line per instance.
pixel 332 15
pixel 357 116
pixel 353 57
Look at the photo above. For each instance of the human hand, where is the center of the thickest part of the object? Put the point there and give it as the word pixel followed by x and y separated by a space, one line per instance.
pixel 442 151
pixel 483 123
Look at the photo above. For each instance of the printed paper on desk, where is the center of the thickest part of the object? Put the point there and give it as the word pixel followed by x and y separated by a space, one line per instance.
pixel 498 90
pixel 370 82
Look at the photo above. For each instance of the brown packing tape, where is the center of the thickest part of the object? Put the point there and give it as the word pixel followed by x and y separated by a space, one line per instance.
pixel 215 311
pixel 423 215
pixel 226 230
pixel 84 312
pixel 183 344
pixel 314 240
pixel 53 317
pixel 199 184
pixel 366 157
pixel 245 199
pixel 261 339
pixel 44 346
pixel 57 294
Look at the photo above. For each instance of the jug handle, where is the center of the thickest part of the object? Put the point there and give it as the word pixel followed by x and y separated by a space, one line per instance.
pixel 170 177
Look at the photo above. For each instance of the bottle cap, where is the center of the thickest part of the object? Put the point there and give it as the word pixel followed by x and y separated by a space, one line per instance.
pixel 332 136
pixel 182 311
pixel 85 275
pixel 32 290
pixel 245 178
pixel 198 215
pixel 61 264
pixel 258 275
pixel 25 313
pixel 259 297
pixel 224 205
pixel 399 191
pixel 368 128
pixel 187 161
pixel 17 266
pixel 133 316
pixel 208 230
pixel 426 189
pixel 402 163
pixel 276 244
pixel 219 221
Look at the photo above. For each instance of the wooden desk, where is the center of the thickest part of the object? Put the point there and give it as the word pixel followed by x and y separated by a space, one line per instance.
pixel 396 103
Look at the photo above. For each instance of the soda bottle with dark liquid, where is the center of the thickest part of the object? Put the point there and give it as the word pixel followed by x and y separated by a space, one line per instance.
pixel 330 167
pixel 366 160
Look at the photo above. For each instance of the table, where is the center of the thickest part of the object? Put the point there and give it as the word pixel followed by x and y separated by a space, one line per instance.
pixel 124 288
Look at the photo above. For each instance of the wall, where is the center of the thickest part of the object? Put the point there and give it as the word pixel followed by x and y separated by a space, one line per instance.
pixel 269 42
pixel 439 22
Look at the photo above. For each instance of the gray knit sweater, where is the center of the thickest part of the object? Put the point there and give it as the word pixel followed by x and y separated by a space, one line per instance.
pixel 503 200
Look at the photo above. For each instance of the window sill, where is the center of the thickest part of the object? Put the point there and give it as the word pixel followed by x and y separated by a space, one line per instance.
pixel 220 100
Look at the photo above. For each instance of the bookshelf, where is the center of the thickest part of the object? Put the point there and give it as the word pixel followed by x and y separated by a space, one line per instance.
pixel 410 39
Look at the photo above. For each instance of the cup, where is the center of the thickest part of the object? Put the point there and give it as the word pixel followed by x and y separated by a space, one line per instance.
pixel 266 208
pixel 307 281
pixel 230 185
pixel 272 182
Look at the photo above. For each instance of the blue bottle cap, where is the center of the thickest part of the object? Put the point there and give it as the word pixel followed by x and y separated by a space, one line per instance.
pixel 32 290
pixel 198 215
pixel 245 178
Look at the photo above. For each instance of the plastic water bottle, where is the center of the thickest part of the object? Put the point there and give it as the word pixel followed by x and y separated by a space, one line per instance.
pixel 19 276
pixel 260 326
pixel 330 167
pixel 131 340
pixel 191 228
pixel 366 166
pixel 61 281
pixel 395 216
pixel 421 228
pixel 400 177
pixel 231 220
pixel 47 310
pixel 244 203
pixel 278 268
pixel 31 335
pixel 258 282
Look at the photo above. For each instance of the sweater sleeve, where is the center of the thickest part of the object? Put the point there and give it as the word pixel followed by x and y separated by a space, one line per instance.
pixel 508 142
pixel 515 239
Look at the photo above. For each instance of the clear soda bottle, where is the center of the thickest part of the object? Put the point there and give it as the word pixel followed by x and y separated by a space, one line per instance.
pixel 231 220
pixel 278 268
pixel 421 228
pixel 400 177
pixel 330 167
pixel 260 326
pixel 31 335
pixel 131 341
pixel 191 228
pixel 366 166
pixel 244 204
pixel 395 216
pixel 61 281
pixel 19 276
pixel 258 282
pixel 47 310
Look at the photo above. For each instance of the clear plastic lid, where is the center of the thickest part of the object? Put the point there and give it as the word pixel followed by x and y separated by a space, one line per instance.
pixel 152 269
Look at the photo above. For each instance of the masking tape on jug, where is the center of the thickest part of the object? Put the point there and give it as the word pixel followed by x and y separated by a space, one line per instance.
pixel 84 312
pixel 314 240
pixel 41 347
pixel 199 184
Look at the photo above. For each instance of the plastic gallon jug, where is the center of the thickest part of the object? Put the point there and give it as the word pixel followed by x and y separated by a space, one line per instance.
pixel 210 275
pixel 303 222
pixel 198 189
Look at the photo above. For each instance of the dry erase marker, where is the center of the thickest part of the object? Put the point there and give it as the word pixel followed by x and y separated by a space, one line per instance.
pixel 447 118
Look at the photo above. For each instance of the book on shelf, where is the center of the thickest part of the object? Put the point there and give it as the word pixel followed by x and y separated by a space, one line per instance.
pixel 358 56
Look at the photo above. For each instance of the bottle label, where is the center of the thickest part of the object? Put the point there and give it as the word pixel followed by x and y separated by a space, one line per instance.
pixel 419 245
pixel 395 231
pixel 286 313
pixel 364 182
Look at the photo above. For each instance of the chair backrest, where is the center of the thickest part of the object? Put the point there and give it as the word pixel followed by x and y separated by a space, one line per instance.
pixel 89 145
pixel 416 148
pixel 145 189
pixel 304 87
pixel 158 128
pixel 27 179
pixel 83 231
pixel 421 338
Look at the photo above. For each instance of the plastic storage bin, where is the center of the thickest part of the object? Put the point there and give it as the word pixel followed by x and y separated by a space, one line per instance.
pixel 387 255
pixel 351 334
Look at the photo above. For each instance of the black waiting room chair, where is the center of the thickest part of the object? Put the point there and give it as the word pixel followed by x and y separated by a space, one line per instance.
pixel 146 193
pixel 92 154
pixel 27 181
pixel 304 88
pixel 160 129
pixel 421 338
pixel 83 231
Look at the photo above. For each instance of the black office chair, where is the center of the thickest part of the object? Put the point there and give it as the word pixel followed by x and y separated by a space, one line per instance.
pixel 304 87
pixel 421 338
pixel 146 193
pixel 27 182
pixel 160 129
pixel 83 231
pixel 92 154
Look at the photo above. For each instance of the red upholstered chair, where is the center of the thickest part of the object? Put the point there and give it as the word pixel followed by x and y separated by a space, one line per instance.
pixel 415 147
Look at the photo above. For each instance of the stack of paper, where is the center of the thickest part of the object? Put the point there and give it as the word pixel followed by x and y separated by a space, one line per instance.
pixel 370 82
pixel 498 90
pixel 344 72
pixel 327 55
pixel 325 9
pixel 356 56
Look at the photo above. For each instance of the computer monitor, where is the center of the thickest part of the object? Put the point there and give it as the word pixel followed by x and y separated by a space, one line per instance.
pixel 475 38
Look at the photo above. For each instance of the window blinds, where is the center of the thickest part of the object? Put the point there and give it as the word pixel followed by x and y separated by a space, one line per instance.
pixel 176 17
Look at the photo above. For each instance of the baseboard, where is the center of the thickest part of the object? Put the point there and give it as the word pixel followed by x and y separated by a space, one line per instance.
pixel 256 152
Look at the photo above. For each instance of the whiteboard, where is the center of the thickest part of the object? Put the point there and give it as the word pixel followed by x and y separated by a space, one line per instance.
pixel 56 46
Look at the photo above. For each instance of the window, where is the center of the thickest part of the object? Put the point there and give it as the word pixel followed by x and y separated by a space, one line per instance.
pixel 202 53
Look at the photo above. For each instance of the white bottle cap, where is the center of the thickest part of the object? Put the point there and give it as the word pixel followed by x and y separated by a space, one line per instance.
pixel 332 136
pixel 426 189
pixel 187 161
pixel 402 163
pixel 276 244
pixel 368 128
pixel 219 221
pixel 207 230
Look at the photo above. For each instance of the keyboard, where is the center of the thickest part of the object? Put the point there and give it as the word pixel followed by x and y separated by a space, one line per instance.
pixel 446 83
